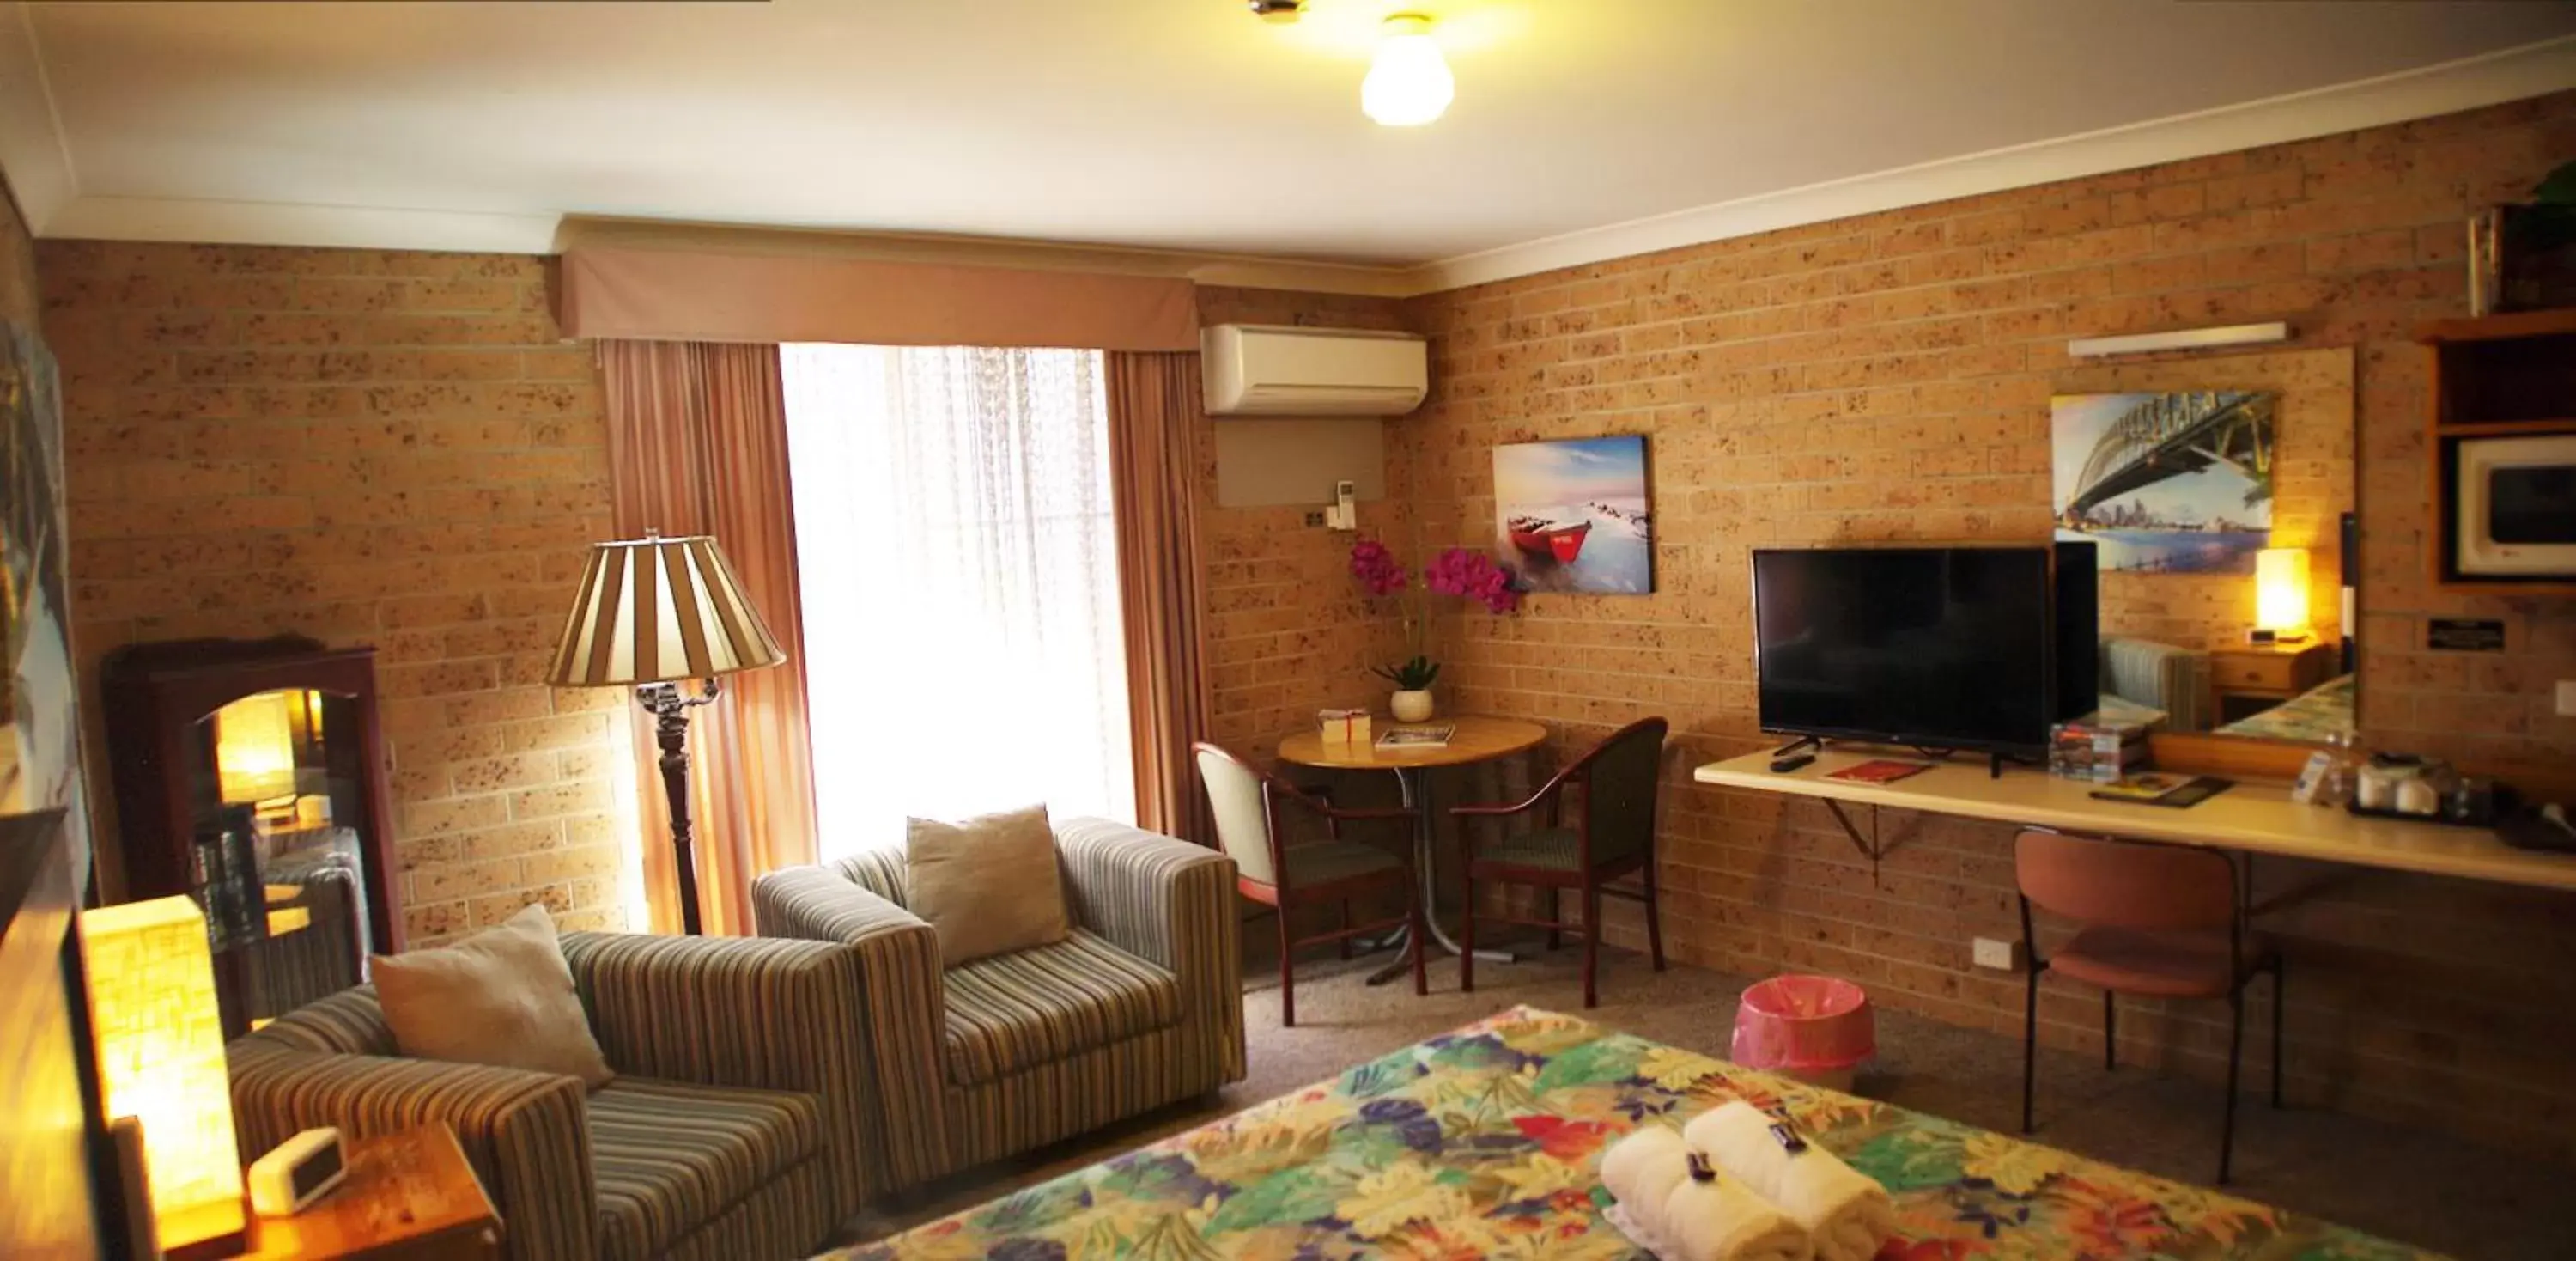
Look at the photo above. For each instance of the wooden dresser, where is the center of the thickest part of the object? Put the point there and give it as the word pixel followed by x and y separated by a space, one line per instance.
pixel 2251 678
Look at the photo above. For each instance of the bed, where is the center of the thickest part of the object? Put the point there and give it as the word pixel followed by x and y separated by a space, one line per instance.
pixel 1484 1143
pixel 2313 715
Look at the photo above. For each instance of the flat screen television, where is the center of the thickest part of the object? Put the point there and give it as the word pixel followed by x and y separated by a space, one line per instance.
pixel 1939 647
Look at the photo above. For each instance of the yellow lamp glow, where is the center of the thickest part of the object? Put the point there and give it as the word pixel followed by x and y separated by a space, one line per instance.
pixel 161 1060
pixel 2281 589
pixel 1409 83
pixel 255 748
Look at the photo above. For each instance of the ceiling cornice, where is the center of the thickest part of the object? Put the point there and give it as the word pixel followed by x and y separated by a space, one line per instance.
pixel 2492 79
pixel 36 159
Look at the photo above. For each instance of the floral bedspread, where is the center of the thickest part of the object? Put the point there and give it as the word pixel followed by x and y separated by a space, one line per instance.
pixel 1485 1143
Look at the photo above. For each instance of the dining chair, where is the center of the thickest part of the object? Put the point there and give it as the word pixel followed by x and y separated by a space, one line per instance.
pixel 2152 921
pixel 1612 834
pixel 1246 802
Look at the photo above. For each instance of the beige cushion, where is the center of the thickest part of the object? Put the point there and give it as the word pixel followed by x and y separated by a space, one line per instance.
pixel 502 997
pixel 987 886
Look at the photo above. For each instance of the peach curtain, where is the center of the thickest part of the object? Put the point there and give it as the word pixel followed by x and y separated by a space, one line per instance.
pixel 1154 417
pixel 697 444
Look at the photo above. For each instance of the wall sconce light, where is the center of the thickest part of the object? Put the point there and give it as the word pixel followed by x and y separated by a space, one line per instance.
pixel 2281 593
pixel 2180 339
pixel 161 1061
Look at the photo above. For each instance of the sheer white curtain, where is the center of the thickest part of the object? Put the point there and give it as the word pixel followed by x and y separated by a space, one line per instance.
pixel 962 637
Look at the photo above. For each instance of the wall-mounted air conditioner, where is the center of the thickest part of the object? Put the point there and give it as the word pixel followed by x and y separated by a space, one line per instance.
pixel 1278 370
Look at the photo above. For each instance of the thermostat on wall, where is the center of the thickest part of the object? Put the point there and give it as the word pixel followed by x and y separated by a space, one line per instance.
pixel 297 1172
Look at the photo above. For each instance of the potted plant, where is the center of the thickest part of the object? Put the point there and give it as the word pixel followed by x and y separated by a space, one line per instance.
pixel 1412 680
pixel 1458 571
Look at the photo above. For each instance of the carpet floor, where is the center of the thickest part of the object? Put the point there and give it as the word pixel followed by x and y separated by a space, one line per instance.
pixel 2420 1187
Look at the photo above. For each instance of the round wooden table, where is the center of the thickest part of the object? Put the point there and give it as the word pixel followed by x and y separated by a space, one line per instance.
pixel 1476 739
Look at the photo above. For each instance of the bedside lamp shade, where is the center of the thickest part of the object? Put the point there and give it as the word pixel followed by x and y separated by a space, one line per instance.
pixel 255 749
pixel 161 1061
pixel 657 610
pixel 2281 589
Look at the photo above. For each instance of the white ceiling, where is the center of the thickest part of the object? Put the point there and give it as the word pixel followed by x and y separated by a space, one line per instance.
pixel 1181 125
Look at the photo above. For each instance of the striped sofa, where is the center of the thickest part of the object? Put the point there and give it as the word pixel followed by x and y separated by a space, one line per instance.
pixel 732 1133
pixel 1141 1006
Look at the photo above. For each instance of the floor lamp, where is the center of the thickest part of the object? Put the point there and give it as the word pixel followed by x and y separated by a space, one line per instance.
pixel 652 614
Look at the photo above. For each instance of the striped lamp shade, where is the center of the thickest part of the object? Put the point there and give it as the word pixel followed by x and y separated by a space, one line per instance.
pixel 656 610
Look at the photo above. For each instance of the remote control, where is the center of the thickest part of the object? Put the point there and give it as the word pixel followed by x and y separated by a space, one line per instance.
pixel 1783 765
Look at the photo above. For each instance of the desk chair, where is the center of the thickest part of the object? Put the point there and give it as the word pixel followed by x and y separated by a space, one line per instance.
pixel 1613 834
pixel 1246 803
pixel 2155 921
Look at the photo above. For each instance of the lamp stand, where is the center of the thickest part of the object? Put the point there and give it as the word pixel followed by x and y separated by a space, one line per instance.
pixel 670 709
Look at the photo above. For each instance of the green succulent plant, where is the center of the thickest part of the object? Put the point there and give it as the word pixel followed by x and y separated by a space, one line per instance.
pixel 1412 676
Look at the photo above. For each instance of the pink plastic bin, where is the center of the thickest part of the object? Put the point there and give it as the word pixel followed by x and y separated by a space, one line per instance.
pixel 1817 1029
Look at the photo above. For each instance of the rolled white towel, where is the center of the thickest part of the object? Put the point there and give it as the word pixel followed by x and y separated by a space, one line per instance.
pixel 1846 1211
pixel 1642 1170
pixel 1724 1220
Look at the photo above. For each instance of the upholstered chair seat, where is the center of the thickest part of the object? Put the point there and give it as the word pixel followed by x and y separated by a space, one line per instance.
pixel 1138 1007
pixel 732 1132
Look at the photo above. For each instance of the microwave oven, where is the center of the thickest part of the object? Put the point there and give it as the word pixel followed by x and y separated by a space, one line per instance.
pixel 2517 507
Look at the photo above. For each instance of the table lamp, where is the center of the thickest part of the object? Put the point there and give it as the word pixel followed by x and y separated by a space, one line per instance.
pixel 2281 593
pixel 161 1061
pixel 653 613
pixel 255 749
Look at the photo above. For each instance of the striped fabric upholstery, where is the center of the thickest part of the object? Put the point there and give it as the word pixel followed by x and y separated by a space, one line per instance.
pixel 730 1011
pixel 886 873
pixel 1012 1012
pixel 347 1023
pixel 671 1158
pixel 1164 902
pixel 900 1004
pixel 523 1132
pixel 734 1130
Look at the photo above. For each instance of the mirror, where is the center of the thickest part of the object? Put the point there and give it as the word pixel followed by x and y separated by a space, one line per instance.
pixel 2215 492
pixel 276 864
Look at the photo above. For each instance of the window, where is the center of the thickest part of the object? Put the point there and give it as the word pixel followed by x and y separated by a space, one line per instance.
pixel 964 651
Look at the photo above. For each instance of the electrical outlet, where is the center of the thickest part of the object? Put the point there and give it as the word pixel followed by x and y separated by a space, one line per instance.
pixel 1315 518
pixel 2567 698
pixel 2002 956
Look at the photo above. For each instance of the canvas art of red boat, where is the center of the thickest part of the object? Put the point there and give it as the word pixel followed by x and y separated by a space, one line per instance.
pixel 1541 537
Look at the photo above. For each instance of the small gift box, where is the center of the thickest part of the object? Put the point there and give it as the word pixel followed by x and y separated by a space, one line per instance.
pixel 1343 726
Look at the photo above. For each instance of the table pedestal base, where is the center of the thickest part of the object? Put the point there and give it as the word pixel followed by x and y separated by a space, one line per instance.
pixel 1417 797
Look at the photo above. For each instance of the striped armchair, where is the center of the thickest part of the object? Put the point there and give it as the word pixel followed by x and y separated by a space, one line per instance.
pixel 1141 1006
pixel 732 1133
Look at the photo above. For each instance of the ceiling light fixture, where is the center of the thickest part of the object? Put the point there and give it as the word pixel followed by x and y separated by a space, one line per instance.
pixel 1409 84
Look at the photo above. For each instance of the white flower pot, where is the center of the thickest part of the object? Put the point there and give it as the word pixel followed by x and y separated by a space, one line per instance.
pixel 1411 705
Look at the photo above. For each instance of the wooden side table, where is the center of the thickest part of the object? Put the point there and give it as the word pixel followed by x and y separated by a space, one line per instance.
pixel 2255 677
pixel 408 1197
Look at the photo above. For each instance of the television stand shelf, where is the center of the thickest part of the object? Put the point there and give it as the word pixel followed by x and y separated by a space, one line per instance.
pixel 2255 817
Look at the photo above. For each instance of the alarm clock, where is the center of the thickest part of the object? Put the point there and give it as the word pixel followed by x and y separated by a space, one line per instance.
pixel 297 1172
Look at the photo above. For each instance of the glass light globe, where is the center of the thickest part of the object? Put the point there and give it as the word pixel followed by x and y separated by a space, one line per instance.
pixel 1409 84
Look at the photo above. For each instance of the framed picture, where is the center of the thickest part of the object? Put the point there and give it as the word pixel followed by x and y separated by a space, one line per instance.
pixel 2166 483
pixel 1575 515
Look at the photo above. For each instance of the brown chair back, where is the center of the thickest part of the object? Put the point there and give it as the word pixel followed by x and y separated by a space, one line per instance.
pixel 2126 884
pixel 1621 776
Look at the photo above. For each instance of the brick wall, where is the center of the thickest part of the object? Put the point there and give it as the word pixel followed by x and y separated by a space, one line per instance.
pixel 370 448
pixel 1887 377
pixel 1288 631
